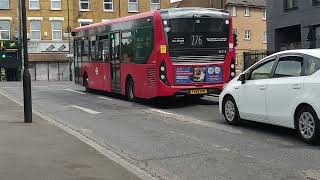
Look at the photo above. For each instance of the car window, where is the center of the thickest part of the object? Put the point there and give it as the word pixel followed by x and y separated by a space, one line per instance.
pixel 313 64
pixel 290 66
pixel 263 71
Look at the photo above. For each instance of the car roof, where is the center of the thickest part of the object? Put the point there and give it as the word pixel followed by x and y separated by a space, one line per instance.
pixel 311 52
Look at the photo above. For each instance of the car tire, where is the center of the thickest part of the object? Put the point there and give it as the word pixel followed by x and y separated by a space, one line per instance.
pixel 307 125
pixel 130 90
pixel 230 111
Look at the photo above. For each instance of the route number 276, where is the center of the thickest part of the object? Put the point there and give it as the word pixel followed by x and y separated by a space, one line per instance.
pixel 196 40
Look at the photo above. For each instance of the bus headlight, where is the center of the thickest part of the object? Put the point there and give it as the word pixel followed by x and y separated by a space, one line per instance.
pixel 232 74
pixel 163 77
pixel 162 68
pixel 232 66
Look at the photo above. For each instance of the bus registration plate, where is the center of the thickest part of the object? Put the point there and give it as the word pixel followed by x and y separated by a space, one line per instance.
pixel 199 91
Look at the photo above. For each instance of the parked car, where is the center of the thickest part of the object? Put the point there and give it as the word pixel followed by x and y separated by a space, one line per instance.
pixel 282 89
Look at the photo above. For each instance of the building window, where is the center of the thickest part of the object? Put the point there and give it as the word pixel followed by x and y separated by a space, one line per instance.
pixel 84 5
pixel 264 14
pixel 85 23
pixel 247 11
pixel 34 4
pixel 5 30
pixel 108 5
pixel 133 6
pixel 4 4
pixel 247 35
pixel 290 4
pixel 316 2
pixel 56 27
pixel 264 37
pixel 233 10
pixel 56 4
pixel 154 4
pixel 35 30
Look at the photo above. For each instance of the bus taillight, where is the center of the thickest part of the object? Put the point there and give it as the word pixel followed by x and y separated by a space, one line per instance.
pixel 232 70
pixel 163 73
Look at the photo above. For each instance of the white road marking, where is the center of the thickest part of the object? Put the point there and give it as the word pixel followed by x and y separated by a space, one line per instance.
pixel 101 149
pixel 105 98
pixel 191 137
pixel 191 120
pixel 13 87
pixel 75 91
pixel 90 111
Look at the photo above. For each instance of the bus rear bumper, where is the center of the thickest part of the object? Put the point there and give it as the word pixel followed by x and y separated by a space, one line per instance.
pixel 187 90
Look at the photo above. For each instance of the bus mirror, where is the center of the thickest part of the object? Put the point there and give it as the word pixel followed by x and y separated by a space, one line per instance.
pixel 235 40
pixel 242 78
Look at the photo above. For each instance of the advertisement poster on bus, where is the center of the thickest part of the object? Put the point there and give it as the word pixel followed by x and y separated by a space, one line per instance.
pixel 186 74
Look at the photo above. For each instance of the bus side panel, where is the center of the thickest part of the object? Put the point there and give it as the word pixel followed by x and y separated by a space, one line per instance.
pixel 145 79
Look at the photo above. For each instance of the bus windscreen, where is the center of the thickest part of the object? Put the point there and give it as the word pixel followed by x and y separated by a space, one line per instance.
pixel 207 33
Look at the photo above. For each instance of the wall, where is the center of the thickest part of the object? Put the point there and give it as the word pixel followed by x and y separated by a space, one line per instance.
pixel 306 14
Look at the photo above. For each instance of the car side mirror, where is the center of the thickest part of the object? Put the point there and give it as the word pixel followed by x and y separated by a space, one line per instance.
pixel 242 78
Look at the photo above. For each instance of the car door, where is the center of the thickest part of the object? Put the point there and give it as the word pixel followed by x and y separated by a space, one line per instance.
pixel 252 94
pixel 284 89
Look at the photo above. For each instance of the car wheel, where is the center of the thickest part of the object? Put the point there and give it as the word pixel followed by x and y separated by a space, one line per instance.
pixel 130 90
pixel 307 125
pixel 230 111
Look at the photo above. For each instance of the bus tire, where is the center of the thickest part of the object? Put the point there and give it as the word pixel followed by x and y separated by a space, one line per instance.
pixel 130 90
pixel 86 82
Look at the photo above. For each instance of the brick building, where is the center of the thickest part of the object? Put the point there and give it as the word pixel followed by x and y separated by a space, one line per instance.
pixel 47 25
pixel 249 22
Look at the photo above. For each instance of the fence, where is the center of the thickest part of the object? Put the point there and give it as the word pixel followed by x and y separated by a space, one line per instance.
pixel 252 57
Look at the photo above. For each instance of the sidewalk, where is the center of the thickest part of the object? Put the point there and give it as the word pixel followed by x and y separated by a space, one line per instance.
pixel 42 151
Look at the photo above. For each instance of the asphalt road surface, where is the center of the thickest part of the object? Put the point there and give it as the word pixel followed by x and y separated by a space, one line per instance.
pixel 176 138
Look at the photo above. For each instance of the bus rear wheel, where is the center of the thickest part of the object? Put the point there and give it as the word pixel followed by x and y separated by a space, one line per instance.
pixel 130 90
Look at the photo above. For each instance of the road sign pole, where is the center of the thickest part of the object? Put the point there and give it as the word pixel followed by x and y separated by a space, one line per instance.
pixel 26 74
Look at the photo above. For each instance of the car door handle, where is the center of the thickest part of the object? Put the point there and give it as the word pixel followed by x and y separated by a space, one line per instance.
pixel 296 86
pixel 262 87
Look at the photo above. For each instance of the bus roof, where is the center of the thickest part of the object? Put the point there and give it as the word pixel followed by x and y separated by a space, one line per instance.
pixel 115 21
pixel 152 13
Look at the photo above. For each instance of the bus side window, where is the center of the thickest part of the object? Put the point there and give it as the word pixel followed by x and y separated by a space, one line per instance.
pixel 127 47
pixel 93 48
pixel 143 44
pixel 85 51
pixel 103 48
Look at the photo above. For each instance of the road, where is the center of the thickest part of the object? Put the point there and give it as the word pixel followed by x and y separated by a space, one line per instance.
pixel 177 138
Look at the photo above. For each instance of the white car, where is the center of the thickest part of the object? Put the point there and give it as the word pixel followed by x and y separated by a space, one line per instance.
pixel 282 89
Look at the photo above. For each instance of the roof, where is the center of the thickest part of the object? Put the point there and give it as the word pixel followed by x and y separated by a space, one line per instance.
pixel 311 52
pixel 115 21
pixel 257 3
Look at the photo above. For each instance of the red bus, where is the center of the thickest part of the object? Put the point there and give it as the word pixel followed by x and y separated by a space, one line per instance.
pixel 183 51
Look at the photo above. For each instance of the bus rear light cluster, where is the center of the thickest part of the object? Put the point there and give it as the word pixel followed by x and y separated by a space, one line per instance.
pixel 163 73
pixel 232 70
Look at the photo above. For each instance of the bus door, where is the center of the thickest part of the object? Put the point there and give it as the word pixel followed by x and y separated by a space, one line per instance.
pixel 115 61
pixel 77 62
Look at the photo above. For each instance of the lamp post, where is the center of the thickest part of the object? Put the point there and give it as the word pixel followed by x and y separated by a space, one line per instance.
pixel 69 39
pixel 26 75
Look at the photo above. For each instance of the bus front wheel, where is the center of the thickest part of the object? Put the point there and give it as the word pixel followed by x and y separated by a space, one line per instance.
pixel 86 82
pixel 130 90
